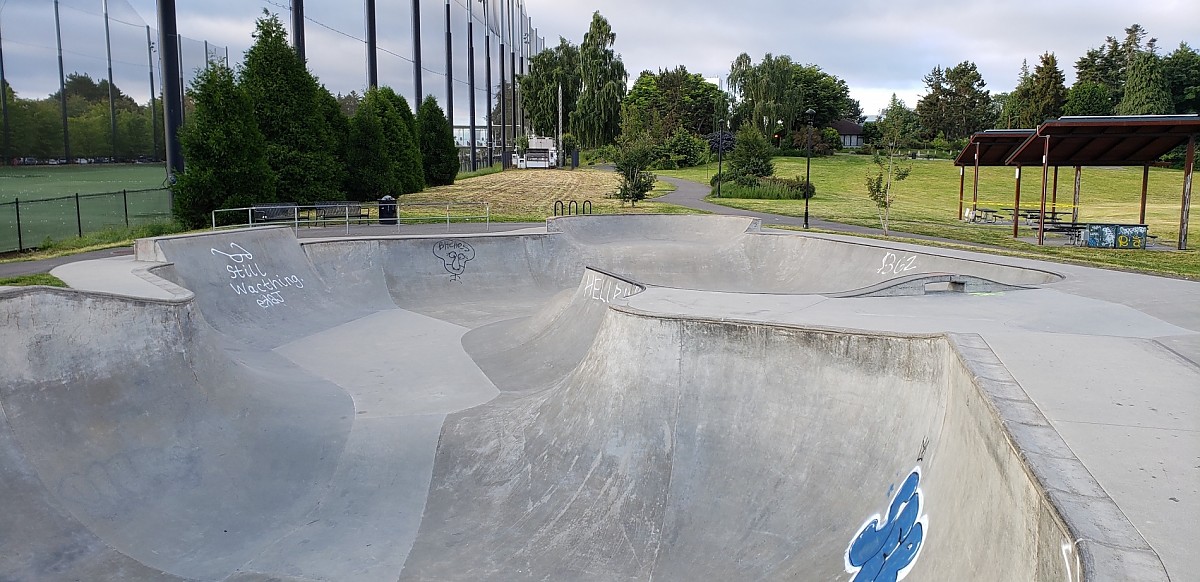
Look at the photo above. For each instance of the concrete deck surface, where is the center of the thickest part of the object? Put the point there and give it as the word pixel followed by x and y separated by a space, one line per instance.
pixel 639 397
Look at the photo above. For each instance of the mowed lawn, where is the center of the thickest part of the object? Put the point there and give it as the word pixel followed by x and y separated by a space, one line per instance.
pixel 927 203
pixel 530 195
pixel 40 182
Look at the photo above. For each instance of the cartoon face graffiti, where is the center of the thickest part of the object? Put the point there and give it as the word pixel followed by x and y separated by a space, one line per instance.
pixel 454 255
pixel 886 548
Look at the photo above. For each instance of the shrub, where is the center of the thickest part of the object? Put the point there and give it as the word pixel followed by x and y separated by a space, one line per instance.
pixel 751 153
pixel 766 188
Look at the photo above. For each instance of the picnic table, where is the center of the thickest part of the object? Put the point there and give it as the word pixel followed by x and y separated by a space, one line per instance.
pixel 1033 215
pixel 981 214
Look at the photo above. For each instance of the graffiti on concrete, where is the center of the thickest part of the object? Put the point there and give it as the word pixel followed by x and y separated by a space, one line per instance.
pixel 248 278
pixel 894 265
pixel 454 255
pixel 886 548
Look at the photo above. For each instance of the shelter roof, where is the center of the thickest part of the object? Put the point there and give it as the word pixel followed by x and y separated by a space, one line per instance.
pixel 1105 141
pixel 995 146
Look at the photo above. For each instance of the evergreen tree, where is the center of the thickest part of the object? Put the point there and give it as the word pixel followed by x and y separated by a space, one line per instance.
pixel 438 150
pixel 226 153
pixel 339 133
pixel 1047 93
pixel 969 102
pixel 410 171
pixel 1088 98
pixel 286 101
pixel 371 149
pixel 1182 70
pixel 597 116
pixel 1146 89
pixel 931 108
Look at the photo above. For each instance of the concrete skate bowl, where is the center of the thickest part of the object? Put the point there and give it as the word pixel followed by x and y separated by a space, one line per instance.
pixel 355 410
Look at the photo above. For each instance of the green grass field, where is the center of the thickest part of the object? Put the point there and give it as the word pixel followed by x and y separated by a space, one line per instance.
pixel 927 203
pixel 39 182
pixel 46 214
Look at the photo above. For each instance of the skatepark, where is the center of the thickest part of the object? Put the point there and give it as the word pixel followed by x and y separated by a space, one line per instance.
pixel 604 398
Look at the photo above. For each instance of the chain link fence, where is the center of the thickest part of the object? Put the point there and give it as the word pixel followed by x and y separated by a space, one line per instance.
pixel 28 224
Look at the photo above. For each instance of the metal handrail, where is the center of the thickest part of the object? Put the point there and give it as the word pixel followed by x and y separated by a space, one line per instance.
pixel 307 214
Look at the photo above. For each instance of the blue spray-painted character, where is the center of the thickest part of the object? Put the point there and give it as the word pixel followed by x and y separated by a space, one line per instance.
pixel 885 550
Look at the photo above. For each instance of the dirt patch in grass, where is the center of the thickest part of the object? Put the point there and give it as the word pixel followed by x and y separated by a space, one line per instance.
pixel 529 195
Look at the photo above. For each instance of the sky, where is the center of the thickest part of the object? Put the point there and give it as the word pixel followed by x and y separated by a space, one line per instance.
pixel 878 47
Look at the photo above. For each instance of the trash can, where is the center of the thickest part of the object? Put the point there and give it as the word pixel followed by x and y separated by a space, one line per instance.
pixel 387 210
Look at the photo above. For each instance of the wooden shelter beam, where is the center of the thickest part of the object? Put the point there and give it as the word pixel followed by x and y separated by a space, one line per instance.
pixel 1145 185
pixel 1189 167
pixel 1041 238
pixel 1017 203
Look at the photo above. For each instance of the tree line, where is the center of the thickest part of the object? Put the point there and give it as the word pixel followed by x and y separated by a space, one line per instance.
pixel 1120 77
pixel 270 132
pixel 35 125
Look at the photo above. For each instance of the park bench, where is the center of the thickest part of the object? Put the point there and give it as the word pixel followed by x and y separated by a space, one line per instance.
pixel 343 210
pixel 274 211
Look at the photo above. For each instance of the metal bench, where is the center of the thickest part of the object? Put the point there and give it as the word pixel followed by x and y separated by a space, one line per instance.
pixel 274 212
pixel 343 210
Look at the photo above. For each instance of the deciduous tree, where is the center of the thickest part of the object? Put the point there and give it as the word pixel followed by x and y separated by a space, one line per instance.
pixel 548 70
pixel 597 117
pixel 896 128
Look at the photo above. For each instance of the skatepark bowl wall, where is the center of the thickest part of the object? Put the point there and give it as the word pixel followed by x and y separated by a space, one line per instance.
pixel 496 408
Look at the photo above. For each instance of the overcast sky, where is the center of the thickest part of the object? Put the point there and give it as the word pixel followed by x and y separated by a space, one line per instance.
pixel 878 47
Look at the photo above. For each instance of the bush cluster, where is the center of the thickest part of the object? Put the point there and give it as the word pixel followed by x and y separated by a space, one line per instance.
pixel 766 188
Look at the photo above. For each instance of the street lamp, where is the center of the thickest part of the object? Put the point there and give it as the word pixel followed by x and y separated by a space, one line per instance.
pixel 808 164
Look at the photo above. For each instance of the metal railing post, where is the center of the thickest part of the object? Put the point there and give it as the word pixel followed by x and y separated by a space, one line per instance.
pixel 214 218
pixel 125 200
pixel 295 218
pixel 250 217
pixel 447 217
pixel 78 216
pixel 347 209
pixel 487 216
pixel 20 241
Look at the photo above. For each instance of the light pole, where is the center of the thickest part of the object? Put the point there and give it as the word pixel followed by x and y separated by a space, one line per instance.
pixel 782 130
pixel 808 164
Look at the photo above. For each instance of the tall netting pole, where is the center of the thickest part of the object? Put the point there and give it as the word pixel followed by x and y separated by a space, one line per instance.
pixel 297 28
pixel 449 70
pixel 372 47
pixel 153 92
pixel 62 85
pixel 471 78
pixel 112 104
pixel 168 41
pixel 416 19
pixel 7 153
pixel 487 77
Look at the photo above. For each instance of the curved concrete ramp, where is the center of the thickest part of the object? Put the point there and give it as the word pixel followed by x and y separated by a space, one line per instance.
pixel 495 408
pixel 671 452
